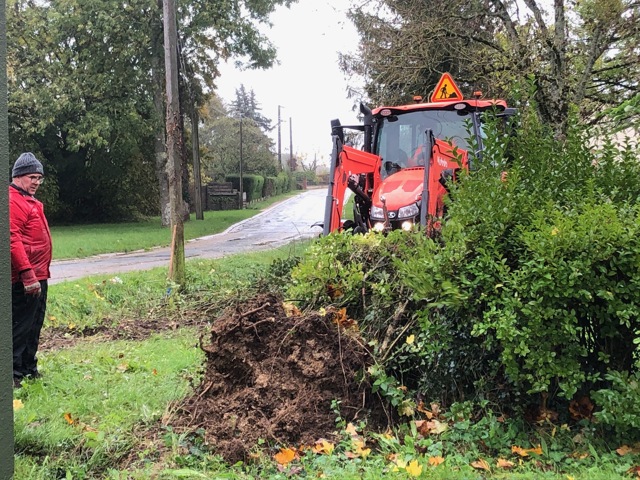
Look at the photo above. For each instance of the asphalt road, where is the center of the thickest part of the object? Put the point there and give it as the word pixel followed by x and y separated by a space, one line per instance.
pixel 279 225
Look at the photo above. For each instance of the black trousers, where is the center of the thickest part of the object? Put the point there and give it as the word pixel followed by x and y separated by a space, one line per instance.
pixel 28 317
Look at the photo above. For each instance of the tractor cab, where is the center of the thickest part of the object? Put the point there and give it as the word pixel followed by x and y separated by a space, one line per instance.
pixel 410 153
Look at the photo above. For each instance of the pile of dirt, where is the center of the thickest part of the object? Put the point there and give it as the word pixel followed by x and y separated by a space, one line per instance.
pixel 274 376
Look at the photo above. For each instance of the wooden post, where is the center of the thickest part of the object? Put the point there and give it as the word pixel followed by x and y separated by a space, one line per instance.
pixel 174 141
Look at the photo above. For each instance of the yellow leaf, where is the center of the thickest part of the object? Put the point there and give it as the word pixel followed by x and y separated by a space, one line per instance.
pixel 554 231
pixel 481 464
pixel 414 468
pixel 284 456
pixel 72 326
pixel 70 420
pixel 519 450
pixel 351 429
pixel 537 450
pixel 438 427
pixel 502 463
pixel 17 405
pixel 98 295
pixel 411 339
pixel 360 450
pixel 323 446
pixel 435 461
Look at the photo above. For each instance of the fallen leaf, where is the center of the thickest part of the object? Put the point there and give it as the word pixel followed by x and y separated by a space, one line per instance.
pixel 290 309
pixel 421 409
pixel 438 427
pixel 360 450
pixel 284 456
pixel 481 464
pixel 17 405
pixel 435 461
pixel 624 450
pixel 351 429
pixel 323 446
pixel 414 468
pixel 579 455
pixel 634 471
pixel 411 339
pixel 537 450
pixel 154 372
pixel 502 463
pixel 70 420
pixel 123 367
pixel 519 450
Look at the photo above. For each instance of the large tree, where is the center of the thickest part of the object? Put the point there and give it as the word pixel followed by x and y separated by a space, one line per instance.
pixel 573 53
pixel 86 90
pixel 220 143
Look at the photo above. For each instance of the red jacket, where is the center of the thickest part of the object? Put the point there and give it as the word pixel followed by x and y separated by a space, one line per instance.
pixel 30 236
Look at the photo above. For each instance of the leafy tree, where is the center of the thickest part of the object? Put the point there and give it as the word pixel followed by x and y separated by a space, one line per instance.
pixel 220 144
pixel 86 91
pixel 245 105
pixel 582 54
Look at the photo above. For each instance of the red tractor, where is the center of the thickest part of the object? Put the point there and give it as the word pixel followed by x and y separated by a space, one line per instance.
pixel 410 154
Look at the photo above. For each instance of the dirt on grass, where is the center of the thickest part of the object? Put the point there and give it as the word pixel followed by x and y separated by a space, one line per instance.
pixel 275 375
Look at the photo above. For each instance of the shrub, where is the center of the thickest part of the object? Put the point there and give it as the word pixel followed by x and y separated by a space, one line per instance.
pixel 530 287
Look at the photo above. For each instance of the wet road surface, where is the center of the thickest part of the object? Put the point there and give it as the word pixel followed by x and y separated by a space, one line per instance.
pixel 279 225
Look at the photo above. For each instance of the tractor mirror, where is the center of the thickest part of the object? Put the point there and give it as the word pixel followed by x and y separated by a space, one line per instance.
pixel 336 129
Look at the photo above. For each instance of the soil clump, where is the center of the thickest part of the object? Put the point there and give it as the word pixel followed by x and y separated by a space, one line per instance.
pixel 276 376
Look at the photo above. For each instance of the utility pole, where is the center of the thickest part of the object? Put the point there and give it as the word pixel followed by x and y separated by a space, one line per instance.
pixel 279 139
pixel 241 193
pixel 6 349
pixel 195 148
pixel 291 159
pixel 174 140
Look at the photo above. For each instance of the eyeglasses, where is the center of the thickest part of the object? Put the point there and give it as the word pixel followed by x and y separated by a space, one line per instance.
pixel 36 179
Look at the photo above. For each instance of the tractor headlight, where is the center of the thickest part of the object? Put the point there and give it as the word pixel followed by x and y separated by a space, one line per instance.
pixel 409 211
pixel 378 227
pixel 407 225
pixel 377 212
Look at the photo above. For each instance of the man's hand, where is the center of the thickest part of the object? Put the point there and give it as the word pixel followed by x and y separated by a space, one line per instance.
pixel 31 283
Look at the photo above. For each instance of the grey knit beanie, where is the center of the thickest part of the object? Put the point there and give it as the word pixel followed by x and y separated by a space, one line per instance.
pixel 25 164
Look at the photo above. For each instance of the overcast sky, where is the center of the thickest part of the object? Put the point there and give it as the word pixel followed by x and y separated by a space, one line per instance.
pixel 307 83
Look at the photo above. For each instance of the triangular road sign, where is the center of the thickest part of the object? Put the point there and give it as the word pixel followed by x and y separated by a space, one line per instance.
pixel 446 90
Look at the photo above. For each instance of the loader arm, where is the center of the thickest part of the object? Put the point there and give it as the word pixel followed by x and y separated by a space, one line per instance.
pixel 345 162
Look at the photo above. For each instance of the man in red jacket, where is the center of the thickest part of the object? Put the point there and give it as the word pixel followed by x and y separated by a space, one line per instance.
pixel 30 261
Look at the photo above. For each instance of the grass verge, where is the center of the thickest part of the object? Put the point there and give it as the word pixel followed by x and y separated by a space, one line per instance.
pixel 80 241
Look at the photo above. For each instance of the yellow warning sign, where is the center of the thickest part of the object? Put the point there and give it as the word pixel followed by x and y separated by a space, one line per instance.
pixel 446 90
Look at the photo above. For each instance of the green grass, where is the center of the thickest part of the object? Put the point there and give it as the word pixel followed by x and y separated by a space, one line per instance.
pixel 84 413
pixel 80 241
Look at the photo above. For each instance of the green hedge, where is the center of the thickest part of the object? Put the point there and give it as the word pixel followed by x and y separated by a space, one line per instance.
pixel 530 290
pixel 252 185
